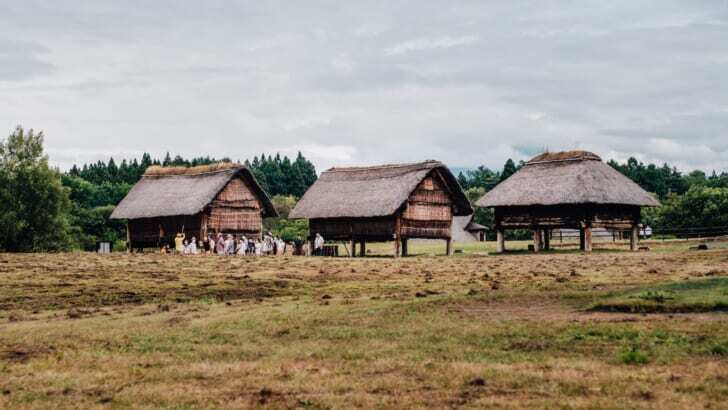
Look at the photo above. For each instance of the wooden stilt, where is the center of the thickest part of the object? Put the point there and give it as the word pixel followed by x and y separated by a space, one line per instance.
pixel 397 236
pixel 405 249
pixel 547 239
pixel 362 248
pixel 587 239
pixel 500 246
pixel 634 238
pixel 448 247
pixel 582 242
pixel 353 248
pixel 536 240
pixel 128 239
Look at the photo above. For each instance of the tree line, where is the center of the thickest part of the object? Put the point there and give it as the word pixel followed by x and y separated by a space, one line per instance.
pixel 43 209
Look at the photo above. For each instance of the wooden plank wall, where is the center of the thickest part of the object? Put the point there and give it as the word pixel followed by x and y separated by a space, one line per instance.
pixel 236 210
pixel 149 231
pixel 374 229
pixel 428 213
pixel 568 216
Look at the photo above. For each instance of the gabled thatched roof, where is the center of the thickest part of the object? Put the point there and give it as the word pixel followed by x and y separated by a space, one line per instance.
pixel 173 191
pixel 573 177
pixel 362 192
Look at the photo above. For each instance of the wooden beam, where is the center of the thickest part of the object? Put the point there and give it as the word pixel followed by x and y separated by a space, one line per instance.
pixel 547 239
pixel 500 246
pixel 634 238
pixel 536 240
pixel 582 241
pixel 448 247
pixel 397 229
pixel 587 239
pixel 353 248
pixel 128 238
pixel 405 249
pixel 362 248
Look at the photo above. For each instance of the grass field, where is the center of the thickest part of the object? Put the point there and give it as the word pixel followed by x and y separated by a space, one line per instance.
pixel 559 329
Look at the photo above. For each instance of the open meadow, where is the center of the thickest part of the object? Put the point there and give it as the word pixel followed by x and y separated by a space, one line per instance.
pixel 611 329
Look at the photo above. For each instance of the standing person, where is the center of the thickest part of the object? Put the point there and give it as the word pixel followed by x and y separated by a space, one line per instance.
pixel 205 244
pixel 179 243
pixel 230 245
pixel 193 246
pixel 220 245
pixel 318 245
pixel 211 248
pixel 240 250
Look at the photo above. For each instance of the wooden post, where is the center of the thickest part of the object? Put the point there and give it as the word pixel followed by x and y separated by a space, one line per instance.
pixel 353 248
pixel 634 238
pixel 536 240
pixel 500 246
pixel 405 249
pixel 311 247
pixel 362 248
pixel 582 243
pixel 448 247
pixel 587 239
pixel 547 239
pixel 128 239
pixel 397 229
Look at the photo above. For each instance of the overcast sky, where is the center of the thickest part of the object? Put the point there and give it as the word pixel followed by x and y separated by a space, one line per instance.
pixel 369 82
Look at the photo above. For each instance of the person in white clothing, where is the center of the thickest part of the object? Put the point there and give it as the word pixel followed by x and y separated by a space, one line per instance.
pixel 318 245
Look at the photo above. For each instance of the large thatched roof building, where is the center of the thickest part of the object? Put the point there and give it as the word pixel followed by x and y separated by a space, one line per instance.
pixel 220 198
pixel 573 189
pixel 383 203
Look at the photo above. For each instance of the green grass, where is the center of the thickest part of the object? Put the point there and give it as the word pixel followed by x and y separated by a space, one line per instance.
pixel 704 295
pixel 470 331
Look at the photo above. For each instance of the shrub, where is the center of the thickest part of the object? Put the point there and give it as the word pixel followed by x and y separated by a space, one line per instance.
pixel 719 350
pixel 633 356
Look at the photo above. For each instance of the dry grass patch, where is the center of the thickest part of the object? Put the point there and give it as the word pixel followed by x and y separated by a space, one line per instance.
pixel 470 331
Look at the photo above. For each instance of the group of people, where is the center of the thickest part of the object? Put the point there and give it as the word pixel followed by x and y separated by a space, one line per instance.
pixel 228 245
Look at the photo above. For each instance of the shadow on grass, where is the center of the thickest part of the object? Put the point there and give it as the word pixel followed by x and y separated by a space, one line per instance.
pixel 695 296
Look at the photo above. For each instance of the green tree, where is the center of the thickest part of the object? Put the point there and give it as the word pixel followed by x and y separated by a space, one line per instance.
pixel 509 169
pixel 33 203
pixel 699 207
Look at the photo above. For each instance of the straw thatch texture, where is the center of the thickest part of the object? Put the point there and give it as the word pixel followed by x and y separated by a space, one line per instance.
pixel 575 177
pixel 366 192
pixel 184 191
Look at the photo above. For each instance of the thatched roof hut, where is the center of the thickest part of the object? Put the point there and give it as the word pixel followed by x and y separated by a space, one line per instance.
pixel 218 198
pixel 465 230
pixel 380 203
pixel 572 189
pixel 573 177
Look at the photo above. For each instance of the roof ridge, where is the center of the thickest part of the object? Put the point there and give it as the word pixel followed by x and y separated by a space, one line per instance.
pixel 160 171
pixel 385 166
pixel 564 156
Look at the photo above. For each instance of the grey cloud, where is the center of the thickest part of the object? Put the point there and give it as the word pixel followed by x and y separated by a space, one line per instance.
pixel 469 83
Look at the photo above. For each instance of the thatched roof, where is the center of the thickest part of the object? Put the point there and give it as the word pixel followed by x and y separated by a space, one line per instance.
pixel 362 192
pixel 573 177
pixel 173 191
pixel 475 227
pixel 464 230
